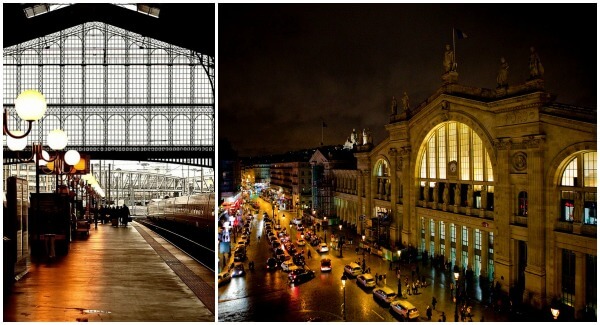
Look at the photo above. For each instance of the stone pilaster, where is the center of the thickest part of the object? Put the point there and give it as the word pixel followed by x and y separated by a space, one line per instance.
pixel 535 271
pixel 502 262
pixel 458 229
pixel 409 197
pixel 437 238
pixel 448 241
pixel 484 253
pixel 580 284
pixel 471 248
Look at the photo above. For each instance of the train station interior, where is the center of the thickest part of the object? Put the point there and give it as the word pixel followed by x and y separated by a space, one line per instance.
pixel 108 145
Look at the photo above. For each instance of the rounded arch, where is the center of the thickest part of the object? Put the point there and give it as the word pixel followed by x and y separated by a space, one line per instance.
pixel 561 160
pixel 181 130
pixel 382 168
pixel 73 49
pixel 576 190
pixel 452 149
pixel 94 128
pixel 159 130
pixel 116 128
pixel 115 53
pixel 460 117
pixel 204 130
pixel 73 129
pixel 138 130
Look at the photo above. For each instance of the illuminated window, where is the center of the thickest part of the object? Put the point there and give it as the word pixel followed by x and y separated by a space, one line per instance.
pixel 465 171
pixel 477 158
pixel 433 164
pixel 570 174
pixel 452 144
pixel 578 183
pixel 522 206
pixel 442 152
pixel 589 169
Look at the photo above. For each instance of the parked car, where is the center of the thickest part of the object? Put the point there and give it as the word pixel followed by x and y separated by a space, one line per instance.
pixel 325 265
pixel 404 309
pixel 238 270
pixel 277 227
pixel 301 242
pixel 323 248
pixel 297 221
pixel 352 269
pixel 366 280
pixel 384 295
pixel 224 277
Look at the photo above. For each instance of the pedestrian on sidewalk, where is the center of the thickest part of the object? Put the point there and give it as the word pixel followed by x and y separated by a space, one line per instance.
pixel 429 313
pixel 376 278
pixel 443 317
pixel 309 254
pixel 433 302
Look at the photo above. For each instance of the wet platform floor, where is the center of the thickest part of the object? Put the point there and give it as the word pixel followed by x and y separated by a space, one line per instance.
pixel 114 275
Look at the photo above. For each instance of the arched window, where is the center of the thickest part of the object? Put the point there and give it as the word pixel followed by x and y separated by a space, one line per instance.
pixel 578 189
pixel 522 204
pixel 382 173
pixel 454 155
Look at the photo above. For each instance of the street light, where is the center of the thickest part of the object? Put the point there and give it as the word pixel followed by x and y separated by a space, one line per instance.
pixel 344 304
pixel 341 242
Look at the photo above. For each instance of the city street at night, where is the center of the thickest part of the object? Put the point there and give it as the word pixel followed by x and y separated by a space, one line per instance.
pixel 263 295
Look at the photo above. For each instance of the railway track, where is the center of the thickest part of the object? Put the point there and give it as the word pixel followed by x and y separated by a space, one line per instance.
pixel 197 244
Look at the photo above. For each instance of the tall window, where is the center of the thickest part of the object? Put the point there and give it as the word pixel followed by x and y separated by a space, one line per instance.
pixel 568 277
pixel 578 186
pixel 522 204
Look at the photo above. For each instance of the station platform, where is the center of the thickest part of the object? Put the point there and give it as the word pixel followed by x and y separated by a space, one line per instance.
pixel 124 274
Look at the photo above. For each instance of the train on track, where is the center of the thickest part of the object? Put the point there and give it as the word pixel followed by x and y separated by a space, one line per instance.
pixel 197 210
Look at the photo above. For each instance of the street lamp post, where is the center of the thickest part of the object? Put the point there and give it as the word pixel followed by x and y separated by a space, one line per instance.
pixel 456 277
pixel 340 242
pixel 344 304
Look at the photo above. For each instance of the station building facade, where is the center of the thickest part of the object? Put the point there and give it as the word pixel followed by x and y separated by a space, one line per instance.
pixel 500 182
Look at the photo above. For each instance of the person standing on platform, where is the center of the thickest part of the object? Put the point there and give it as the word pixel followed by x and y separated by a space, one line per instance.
pixel 125 213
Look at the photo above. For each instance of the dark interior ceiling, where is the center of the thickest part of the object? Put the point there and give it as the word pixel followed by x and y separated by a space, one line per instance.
pixel 189 25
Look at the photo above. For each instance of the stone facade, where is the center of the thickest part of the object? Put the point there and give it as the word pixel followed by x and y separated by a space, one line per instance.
pixel 526 141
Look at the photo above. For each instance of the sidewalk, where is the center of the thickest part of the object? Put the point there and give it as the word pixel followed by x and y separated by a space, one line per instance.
pixel 438 282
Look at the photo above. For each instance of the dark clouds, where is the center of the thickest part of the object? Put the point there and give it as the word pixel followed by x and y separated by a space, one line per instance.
pixel 284 68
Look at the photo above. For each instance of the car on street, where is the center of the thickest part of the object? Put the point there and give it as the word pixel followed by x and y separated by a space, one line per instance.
pixel 239 255
pixel 298 259
pixel 404 309
pixel 271 264
pixel 238 270
pixel 300 276
pixel 244 238
pixel 325 265
pixel 277 227
pixel 323 248
pixel 352 269
pixel 301 242
pixel 241 243
pixel 275 244
pixel 384 295
pixel 366 280
pixel 300 228
pixel 224 277
pixel 285 266
pixel 315 241
pixel 297 221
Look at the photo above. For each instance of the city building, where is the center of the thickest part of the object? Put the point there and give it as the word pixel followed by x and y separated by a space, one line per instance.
pixel 501 182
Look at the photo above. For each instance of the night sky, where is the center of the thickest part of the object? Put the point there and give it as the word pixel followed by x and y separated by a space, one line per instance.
pixel 282 69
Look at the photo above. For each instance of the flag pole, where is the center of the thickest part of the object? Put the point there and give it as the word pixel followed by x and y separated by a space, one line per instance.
pixel 453 51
